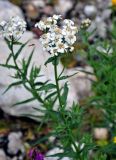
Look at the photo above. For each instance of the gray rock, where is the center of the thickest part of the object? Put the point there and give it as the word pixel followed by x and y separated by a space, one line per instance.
pixel 79 86
pixel 15 143
pixel 106 14
pixel 38 3
pixel 82 81
pixel 99 27
pixel 90 11
pixel 102 5
pixel 19 93
pixel 2 155
pixel 63 6
pixel 8 10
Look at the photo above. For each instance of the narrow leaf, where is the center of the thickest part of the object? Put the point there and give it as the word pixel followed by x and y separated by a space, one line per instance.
pixel 47 87
pixel 51 59
pixel 51 95
pixel 65 94
pixel 25 101
pixel 12 85
pixel 29 61
pixel 8 66
pixel 68 76
pixel 17 43
pixel 8 43
pixel 20 49
pixel 8 59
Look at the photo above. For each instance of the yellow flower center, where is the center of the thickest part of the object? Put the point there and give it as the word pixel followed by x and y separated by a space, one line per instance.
pixel 47 22
pixel 58 30
pixel 61 46
pixel 70 37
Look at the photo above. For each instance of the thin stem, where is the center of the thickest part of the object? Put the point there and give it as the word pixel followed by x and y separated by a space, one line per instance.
pixel 57 84
pixel 61 105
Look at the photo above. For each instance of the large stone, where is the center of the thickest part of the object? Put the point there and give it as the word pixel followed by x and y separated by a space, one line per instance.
pixel 8 10
pixel 2 155
pixel 79 85
pixel 98 27
pixel 19 93
pixel 90 11
pixel 15 143
pixel 82 81
pixel 63 6
pixel 38 3
pixel 106 14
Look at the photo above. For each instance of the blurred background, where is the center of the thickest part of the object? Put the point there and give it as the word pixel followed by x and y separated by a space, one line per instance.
pixel 17 133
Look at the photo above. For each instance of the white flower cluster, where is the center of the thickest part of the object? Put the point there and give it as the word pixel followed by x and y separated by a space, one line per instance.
pixel 46 24
pixel 15 27
pixel 86 23
pixel 57 40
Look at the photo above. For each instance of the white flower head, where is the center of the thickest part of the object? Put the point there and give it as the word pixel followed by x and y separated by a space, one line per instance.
pixel 61 47
pixel 57 40
pixel 15 27
pixel 3 23
pixel 86 23
pixel 47 23
pixel 57 17
pixel 40 25
pixel 71 49
pixel 70 39
pixel 68 22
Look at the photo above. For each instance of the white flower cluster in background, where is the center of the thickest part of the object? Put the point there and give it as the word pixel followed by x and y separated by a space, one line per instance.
pixel 15 27
pixel 86 23
pixel 57 39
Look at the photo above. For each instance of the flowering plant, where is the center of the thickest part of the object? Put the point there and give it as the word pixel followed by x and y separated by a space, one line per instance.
pixel 66 124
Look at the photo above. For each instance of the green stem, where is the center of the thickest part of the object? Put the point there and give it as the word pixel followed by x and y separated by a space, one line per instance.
pixel 61 105
pixel 57 84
